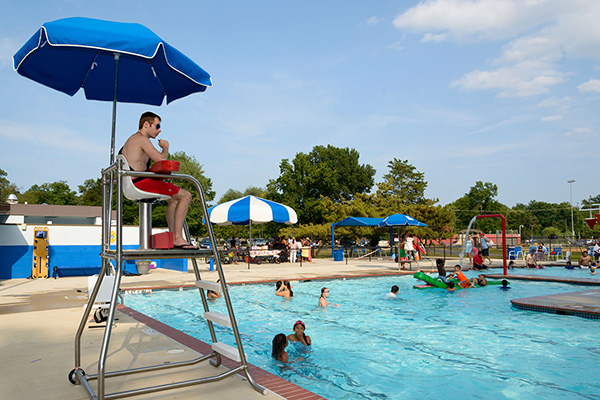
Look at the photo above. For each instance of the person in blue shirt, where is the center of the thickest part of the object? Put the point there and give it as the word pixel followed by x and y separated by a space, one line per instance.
pixel 485 247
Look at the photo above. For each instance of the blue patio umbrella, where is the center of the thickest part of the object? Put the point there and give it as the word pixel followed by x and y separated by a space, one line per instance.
pixel 398 220
pixel 111 61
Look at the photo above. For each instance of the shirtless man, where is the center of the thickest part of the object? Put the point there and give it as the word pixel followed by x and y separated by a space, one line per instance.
pixel 585 261
pixel 138 150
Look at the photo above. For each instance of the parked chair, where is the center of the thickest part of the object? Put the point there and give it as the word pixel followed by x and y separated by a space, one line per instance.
pixel 514 253
pixel 556 251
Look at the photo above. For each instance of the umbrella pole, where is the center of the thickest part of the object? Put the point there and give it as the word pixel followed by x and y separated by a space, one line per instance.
pixel 111 177
pixel 250 244
pixel 114 110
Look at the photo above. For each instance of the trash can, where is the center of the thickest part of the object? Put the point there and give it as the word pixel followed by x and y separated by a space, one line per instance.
pixel 338 255
pixel 143 267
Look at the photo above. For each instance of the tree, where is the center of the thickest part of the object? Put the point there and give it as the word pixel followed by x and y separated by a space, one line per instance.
pixel 91 192
pixel 56 193
pixel 480 200
pixel 326 171
pixel 6 187
pixel 403 181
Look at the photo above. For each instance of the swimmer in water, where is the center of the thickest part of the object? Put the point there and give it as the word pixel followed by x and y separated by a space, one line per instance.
pixel 299 335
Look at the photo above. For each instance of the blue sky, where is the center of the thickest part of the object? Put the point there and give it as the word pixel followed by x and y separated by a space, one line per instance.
pixel 500 91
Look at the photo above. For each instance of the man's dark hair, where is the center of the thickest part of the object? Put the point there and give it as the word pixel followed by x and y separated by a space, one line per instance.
pixel 395 289
pixel 149 117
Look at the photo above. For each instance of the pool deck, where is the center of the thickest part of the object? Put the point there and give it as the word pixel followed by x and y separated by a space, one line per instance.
pixel 38 320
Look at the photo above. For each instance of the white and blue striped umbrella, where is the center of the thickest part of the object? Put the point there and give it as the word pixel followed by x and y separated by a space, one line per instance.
pixel 250 209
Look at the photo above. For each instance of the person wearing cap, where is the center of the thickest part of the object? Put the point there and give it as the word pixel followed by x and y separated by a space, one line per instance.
pixel 299 335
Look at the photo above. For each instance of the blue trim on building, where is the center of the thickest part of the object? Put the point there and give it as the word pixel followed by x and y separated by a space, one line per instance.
pixel 16 261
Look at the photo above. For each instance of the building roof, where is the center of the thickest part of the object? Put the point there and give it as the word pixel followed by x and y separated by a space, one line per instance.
pixel 45 210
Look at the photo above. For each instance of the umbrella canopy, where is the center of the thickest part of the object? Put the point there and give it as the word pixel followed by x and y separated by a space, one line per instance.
pixel 74 53
pixel 251 209
pixel 111 61
pixel 400 220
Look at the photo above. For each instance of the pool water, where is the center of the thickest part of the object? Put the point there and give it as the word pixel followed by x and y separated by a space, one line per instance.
pixel 470 344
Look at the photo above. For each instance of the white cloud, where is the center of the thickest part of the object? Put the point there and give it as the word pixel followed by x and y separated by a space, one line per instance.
pixel 430 37
pixel 554 102
pixel 8 47
pixel 593 85
pixel 580 132
pixel 551 118
pixel 374 20
pixel 518 80
pixel 54 138
pixel 473 19
pixel 542 35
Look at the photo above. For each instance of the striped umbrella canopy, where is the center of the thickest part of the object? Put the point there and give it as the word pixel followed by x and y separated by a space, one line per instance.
pixel 251 209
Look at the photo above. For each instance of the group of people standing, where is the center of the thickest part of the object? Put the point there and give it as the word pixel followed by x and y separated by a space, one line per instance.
pixel 477 247
pixel 293 249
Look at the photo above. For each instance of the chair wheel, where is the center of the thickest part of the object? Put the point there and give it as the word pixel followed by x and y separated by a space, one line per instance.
pixel 73 376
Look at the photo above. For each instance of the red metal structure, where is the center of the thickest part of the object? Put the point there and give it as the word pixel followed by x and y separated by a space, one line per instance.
pixel 503 234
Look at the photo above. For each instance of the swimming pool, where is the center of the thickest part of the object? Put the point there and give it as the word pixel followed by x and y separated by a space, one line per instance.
pixel 470 344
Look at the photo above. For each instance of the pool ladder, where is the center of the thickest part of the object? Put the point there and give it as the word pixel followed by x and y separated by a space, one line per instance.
pixel 78 376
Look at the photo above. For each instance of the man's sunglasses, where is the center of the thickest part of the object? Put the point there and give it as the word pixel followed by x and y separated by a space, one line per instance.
pixel 157 126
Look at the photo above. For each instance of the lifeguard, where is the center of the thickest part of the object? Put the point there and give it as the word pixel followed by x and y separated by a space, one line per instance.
pixel 139 151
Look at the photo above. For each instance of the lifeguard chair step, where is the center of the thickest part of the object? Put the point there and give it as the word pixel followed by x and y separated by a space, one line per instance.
pixel 218 318
pixel 227 351
pixel 209 285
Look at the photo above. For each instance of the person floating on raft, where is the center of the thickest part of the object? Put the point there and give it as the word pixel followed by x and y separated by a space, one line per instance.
pixel 458 279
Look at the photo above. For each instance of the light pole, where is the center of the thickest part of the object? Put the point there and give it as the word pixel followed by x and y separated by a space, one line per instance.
pixel 570 182
pixel 520 226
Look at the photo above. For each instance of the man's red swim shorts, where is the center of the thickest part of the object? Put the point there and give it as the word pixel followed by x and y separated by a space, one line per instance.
pixel 157 186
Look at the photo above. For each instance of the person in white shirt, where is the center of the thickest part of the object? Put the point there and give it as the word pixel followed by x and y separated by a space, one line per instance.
pixel 393 293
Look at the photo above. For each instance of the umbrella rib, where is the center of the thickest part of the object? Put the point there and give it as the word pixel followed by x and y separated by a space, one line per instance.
pixel 90 68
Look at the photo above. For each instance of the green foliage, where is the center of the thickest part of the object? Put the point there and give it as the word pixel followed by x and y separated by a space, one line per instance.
pixel 6 187
pixel 56 193
pixel 91 192
pixel 230 194
pixel 552 231
pixel 404 182
pixel 325 172
pixel 479 201
pixel 190 166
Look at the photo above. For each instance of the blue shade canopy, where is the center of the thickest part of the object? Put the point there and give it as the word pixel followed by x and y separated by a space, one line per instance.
pixel 251 209
pixel 358 221
pixel 74 53
pixel 400 220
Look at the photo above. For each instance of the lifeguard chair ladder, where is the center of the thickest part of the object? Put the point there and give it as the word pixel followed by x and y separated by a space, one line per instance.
pixel 119 255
